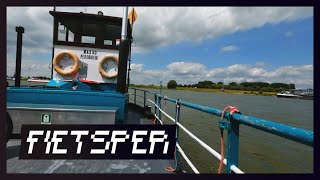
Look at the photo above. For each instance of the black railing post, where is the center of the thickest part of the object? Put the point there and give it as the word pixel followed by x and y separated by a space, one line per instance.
pixel 177 120
pixel 20 31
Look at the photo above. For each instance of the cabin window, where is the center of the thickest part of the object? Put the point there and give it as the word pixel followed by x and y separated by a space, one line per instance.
pixel 70 36
pixel 107 42
pixel 88 39
pixel 89 32
pixel 62 32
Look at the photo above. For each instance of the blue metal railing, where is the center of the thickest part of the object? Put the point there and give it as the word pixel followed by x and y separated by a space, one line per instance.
pixel 289 132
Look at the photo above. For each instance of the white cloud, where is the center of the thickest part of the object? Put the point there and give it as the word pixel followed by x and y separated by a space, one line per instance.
pixel 136 67
pixel 229 48
pixel 289 34
pixel 191 73
pixel 185 68
pixel 156 26
pixel 30 68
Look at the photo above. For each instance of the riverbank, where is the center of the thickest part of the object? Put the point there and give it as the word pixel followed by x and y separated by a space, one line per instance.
pixel 210 90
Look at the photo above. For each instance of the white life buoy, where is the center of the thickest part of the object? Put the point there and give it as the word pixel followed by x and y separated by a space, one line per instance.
pixel 104 60
pixel 58 58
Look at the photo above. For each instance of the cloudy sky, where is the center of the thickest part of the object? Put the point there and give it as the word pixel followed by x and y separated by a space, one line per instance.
pixel 189 44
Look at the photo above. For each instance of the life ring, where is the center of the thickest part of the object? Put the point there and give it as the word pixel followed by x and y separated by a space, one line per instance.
pixel 57 59
pixel 103 61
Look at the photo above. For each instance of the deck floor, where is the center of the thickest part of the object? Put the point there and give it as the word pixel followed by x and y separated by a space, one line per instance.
pixel 14 165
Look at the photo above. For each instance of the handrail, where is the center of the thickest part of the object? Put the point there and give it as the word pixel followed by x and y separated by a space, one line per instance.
pixel 204 145
pixel 292 133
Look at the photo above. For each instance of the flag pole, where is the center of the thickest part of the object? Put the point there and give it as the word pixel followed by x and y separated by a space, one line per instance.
pixel 129 69
pixel 54 10
pixel 124 24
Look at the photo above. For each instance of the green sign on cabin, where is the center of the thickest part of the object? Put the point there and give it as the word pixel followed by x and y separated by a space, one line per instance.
pixel 46 118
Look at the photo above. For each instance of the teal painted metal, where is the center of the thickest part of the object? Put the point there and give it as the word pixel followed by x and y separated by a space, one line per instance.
pixel 69 97
pixel 53 83
pixel 232 144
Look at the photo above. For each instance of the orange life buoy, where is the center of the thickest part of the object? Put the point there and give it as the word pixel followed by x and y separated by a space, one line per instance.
pixel 57 59
pixel 103 61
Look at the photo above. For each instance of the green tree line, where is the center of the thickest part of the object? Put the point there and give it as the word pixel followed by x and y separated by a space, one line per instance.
pixel 247 86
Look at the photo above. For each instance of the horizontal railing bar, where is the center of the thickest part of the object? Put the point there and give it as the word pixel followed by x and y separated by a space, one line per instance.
pixel 204 145
pixel 195 170
pixel 289 132
pixel 212 151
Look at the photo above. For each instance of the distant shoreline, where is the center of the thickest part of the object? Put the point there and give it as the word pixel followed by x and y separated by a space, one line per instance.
pixel 210 90
pixel 200 90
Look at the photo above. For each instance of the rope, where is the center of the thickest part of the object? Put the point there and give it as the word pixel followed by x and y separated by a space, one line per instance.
pixel 165 106
pixel 171 169
pixel 155 120
pixel 221 152
pixel 232 111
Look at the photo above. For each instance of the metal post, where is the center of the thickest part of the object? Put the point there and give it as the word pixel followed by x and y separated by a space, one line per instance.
pixel 124 24
pixel 135 96
pixel 129 69
pixel 52 56
pixel 144 99
pixel 20 31
pixel 233 144
pixel 177 119
pixel 160 87
pixel 159 105
pixel 155 107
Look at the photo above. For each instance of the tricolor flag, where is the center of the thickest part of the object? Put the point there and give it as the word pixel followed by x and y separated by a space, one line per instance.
pixel 117 42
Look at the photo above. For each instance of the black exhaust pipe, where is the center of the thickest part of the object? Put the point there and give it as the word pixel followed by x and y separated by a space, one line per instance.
pixel 122 66
pixel 20 31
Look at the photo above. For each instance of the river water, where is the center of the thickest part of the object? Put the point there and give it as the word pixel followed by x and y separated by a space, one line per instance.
pixel 259 152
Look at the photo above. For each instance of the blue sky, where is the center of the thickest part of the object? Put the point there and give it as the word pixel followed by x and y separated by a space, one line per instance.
pixel 289 43
pixel 190 44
